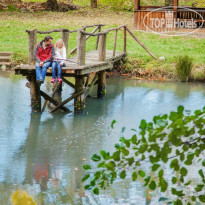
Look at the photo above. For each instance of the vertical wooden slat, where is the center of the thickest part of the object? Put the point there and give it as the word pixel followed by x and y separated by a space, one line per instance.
pixel 32 40
pixel 81 45
pixel 97 42
pixel 102 47
pixel 137 5
pixel 115 43
pixel 125 39
pixel 65 37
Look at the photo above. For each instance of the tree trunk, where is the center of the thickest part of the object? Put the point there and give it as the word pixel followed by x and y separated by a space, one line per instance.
pixel 94 4
pixel 169 2
pixel 52 5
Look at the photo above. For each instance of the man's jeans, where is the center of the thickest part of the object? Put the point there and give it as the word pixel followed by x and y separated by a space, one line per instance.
pixel 41 71
pixel 59 70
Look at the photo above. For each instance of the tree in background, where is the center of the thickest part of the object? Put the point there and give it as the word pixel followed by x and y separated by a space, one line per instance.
pixel 93 3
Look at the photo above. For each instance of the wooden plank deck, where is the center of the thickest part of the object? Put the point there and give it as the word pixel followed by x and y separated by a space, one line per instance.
pixel 92 64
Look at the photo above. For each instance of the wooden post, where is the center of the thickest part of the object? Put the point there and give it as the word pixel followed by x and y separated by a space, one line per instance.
pixel 81 43
pixel 32 40
pixel 102 47
pixel 79 101
pixel 65 37
pixel 35 94
pixel 125 39
pixel 137 5
pixel 102 74
pixel 175 11
pixel 97 42
pixel 115 44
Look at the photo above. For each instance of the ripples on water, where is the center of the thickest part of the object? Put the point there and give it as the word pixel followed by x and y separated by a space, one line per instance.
pixel 44 154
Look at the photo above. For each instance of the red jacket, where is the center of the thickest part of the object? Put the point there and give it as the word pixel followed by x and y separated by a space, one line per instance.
pixel 45 55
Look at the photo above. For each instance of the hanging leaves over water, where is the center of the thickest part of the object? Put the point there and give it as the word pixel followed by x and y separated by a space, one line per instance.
pixel 173 141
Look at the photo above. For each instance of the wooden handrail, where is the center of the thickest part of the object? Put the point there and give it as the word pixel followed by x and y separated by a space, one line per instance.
pixel 104 32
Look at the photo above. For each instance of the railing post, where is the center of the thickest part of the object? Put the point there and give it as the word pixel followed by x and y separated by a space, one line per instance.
pixel 115 44
pixel 137 5
pixel 65 37
pixel 102 47
pixel 32 39
pixel 97 42
pixel 81 44
pixel 125 39
pixel 102 74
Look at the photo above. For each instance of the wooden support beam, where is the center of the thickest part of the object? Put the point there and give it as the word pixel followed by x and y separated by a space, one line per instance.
pixel 91 85
pixel 47 97
pixel 35 94
pixel 75 95
pixel 115 44
pixel 138 41
pixel 32 40
pixel 137 5
pixel 79 101
pixel 102 74
pixel 57 87
pixel 81 43
pixel 65 37
pixel 75 49
pixel 68 83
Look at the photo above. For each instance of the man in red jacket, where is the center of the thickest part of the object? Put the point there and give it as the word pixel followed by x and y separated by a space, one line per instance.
pixel 44 54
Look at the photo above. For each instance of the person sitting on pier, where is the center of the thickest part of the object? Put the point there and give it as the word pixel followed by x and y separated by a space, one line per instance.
pixel 44 54
pixel 59 60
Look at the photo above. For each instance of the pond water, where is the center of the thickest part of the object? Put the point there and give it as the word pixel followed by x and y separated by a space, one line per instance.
pixel 44 153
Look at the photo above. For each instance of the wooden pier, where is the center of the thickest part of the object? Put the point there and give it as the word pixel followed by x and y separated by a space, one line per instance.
pixel 88 69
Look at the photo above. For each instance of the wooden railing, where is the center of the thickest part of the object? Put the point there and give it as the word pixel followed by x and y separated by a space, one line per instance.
pixel 82 36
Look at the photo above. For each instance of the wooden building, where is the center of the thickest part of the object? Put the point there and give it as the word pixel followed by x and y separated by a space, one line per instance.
pixel 167 18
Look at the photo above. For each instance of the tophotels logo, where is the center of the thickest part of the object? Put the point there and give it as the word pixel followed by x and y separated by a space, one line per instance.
pixel 166 21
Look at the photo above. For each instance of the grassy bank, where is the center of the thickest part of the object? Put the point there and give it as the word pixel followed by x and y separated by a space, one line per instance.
pixel 14 38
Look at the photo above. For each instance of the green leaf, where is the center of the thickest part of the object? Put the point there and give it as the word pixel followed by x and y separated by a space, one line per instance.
pixel 203 163
pixel 86 166
pixel 96 158
pixel 180 109
pixel 178 202
pixel 134 176
pixel 141 173
pixel 113 122
pixel 96 190
pixel 202 198
pixel 123 174
pixel 87 187
pixel 147 180
pixel 152 185
pixel 199 187
pixel 183 171
pixel 143 125
pixel 163 199
pixel 85 177
pixel 123 129
pixel 161 173
pixel 125 152
pixel 104 154
pixel 201 173
pixel 174 180
pixel 116 156
pixel 155 167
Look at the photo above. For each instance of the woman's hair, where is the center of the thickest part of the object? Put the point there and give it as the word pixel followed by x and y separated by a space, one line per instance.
pixel 59 41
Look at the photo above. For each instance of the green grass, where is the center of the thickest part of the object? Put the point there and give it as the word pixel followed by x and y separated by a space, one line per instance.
pixel 14 38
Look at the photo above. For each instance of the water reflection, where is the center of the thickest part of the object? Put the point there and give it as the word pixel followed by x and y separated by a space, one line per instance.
pixel 44 153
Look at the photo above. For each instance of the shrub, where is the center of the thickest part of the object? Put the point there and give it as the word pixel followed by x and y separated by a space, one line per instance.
pixel 183 68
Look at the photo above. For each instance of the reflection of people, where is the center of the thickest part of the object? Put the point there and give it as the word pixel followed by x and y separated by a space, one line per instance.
pixel 44 55
pixel 59 60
